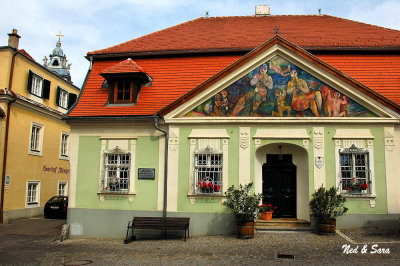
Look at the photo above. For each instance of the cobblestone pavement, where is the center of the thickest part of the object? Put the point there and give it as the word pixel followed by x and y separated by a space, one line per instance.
pixel 33 241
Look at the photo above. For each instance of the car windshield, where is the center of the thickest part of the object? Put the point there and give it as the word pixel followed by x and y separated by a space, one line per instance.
pixel 58 199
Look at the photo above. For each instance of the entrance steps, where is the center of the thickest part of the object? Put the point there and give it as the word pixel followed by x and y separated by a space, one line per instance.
pixel 282 224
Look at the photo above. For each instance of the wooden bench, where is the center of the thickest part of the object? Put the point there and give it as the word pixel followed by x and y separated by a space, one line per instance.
pixel 157 223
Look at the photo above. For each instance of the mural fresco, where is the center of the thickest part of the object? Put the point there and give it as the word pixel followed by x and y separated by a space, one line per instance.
pixel 280 89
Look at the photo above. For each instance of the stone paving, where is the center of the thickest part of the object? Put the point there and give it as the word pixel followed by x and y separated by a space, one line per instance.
pixel 34 242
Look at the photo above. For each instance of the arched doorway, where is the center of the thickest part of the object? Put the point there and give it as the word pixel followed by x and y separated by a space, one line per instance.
pixel 284 167
pixel 279 184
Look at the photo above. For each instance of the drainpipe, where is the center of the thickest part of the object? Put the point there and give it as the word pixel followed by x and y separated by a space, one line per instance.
pixel 3 175
pixel 156 118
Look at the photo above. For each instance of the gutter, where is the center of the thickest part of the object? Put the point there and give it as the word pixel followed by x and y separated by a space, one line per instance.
pixel 156 119
pixel 3 175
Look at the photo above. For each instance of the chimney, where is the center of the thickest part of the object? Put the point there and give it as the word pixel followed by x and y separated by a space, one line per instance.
pixel 262 10
pixel 13 39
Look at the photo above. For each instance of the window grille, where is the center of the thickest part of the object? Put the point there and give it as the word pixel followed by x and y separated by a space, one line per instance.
pixel 116 172
pixel 355 172
pixel 208 172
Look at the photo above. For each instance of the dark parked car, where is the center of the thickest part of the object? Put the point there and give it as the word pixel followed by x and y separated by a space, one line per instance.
pixel 56 207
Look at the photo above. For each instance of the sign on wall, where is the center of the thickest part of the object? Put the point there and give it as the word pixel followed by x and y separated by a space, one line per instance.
pixel 146 173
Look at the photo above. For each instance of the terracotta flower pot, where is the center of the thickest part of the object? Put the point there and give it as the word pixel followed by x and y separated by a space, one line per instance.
pixel 266 215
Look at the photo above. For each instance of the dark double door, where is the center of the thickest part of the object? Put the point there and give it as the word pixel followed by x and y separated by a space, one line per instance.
pixel 279 184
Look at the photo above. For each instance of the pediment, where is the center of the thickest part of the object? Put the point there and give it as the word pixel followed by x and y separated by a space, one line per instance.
pixel 279 81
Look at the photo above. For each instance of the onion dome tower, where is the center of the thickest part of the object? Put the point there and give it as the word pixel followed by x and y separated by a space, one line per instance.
pixel 57 62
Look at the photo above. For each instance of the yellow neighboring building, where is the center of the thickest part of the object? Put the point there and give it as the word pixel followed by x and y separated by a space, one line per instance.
pixel 34 159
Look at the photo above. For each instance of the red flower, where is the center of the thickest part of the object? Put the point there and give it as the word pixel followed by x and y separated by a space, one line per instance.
pixel 272 211
pixel 106 188
pixel 348 188
pixel 366 185
pixel 361 185
pixel 269 205
pixel 275 207
pixel 204 184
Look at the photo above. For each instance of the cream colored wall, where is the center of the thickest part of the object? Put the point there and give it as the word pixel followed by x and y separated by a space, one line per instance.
pixel 23 167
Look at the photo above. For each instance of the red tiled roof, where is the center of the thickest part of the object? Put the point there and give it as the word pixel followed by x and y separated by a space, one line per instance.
pixel 306 31
pixel 22 51
pixel 379 72
pixel 126 66
pixel 172 78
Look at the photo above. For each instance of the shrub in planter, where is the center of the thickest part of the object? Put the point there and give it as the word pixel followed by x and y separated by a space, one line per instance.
pixel 244 204
pixel 326 205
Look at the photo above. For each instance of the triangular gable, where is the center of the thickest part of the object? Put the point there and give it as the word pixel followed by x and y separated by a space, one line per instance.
pixel 126 66
pixel 327 88
pixel 279 88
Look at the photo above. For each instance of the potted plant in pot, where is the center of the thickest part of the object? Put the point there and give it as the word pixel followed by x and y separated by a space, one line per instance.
pixel 266 211
pixel 326 205
pixel 244 204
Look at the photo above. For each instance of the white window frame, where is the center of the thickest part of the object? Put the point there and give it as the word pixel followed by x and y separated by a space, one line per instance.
pixel 63 98
pixel 60 189
pixel 356 172
pixel 64 146
pixel 115 181
pixel 208 172
pixel 36 139
pixel 111 145
pixel 37 85
pixel 365 141
pixel 201 139
pixel 32 200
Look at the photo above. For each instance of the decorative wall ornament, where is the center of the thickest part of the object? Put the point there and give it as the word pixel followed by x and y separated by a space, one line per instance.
pixel 389 144
pixel 244 137
pixel 357 142
pixel 214 144
pixel 319 162
pixel 306 143
pixel 173 144
pixel 318 138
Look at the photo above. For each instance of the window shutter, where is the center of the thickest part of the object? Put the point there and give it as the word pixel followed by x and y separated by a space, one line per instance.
pixel 71 99
pixel 58 96
pixel 29 87
pixel 46 89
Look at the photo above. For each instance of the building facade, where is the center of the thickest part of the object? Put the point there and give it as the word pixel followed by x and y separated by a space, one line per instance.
pixel 34 148
pixel 168 122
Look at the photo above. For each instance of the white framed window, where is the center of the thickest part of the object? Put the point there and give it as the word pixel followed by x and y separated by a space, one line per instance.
pixel 355 173
pixel 36 139
pixel 62 188
pixel 63 98
pixel 117 168
pixel 208 165
pixel 37 85
pixel 33 193
pixel 64 145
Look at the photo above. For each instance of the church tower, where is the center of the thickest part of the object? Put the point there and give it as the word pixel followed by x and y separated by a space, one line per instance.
pixel 57 62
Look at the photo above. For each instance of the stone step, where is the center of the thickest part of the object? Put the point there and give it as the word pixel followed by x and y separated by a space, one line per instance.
pixel 282 225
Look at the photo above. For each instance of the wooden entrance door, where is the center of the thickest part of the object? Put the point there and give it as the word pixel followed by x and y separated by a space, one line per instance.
pixel 279 184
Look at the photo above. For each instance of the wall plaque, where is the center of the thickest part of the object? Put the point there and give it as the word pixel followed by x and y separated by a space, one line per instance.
pixel 146 173
pixel 319 162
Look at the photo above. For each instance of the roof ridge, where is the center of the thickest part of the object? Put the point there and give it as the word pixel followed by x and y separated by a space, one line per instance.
pixel 145 36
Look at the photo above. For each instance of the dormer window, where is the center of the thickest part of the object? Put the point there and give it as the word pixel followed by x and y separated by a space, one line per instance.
pixel 124 91
pixel 124 81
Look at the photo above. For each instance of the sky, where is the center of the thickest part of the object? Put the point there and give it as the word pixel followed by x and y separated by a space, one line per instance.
pixel 89 25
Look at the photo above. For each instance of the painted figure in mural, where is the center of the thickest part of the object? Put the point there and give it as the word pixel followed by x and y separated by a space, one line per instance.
pixel 263 77
pixel 221 104
pixel 335 104
pixel 303 98
pixel 283 71
pixel 280 102
pixel 252 100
